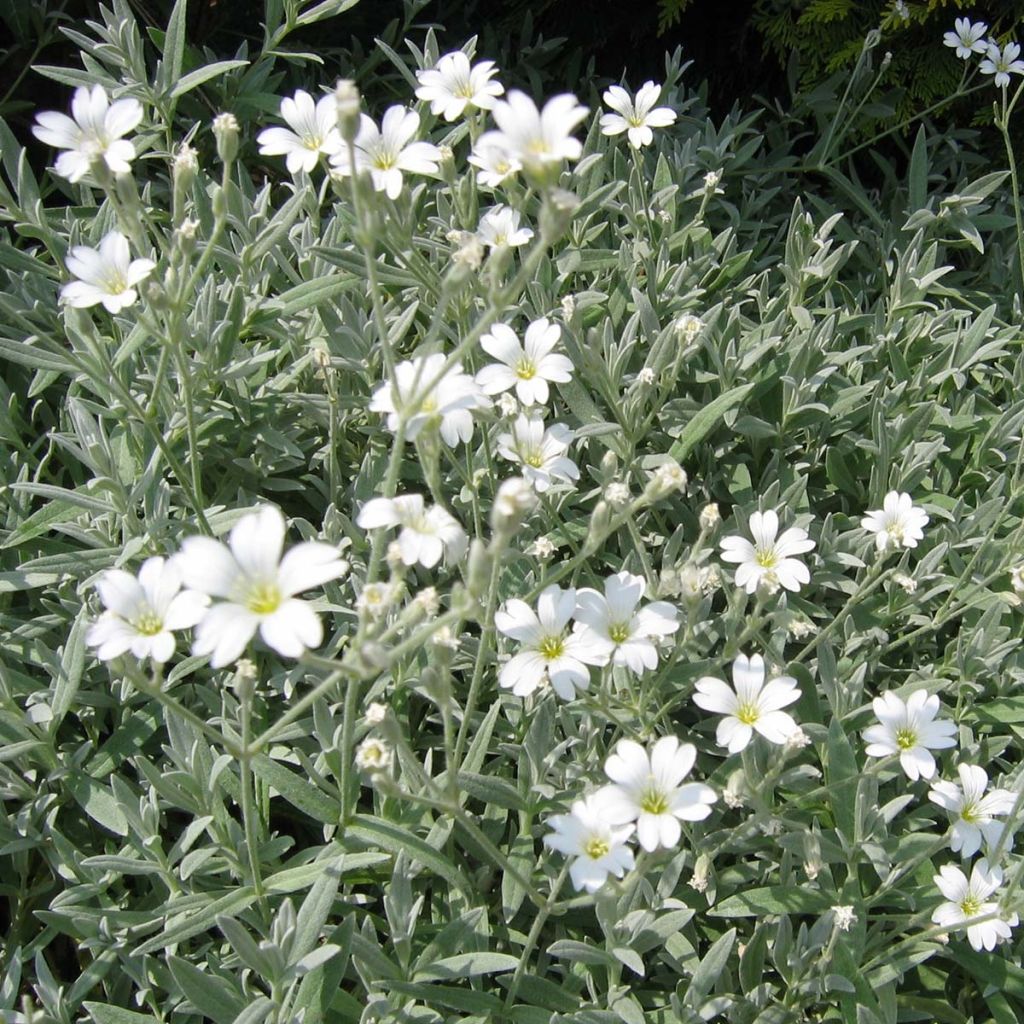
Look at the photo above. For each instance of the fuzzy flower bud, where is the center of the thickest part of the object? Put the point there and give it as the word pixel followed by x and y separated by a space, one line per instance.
pixel 668 477
pixel 710 517
pixel 225 130
pixel 513 502
pixel 347 100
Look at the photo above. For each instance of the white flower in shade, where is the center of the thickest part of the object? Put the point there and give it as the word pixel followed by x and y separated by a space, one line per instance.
pixel 599 847
pixel 373 756
pixel 106 275
pixel 494 160
pixel 636 117
pixel 447 403
pixel 143 613
pixel 898 523
pixel 615 618
pixel 537 138
pixel 527 367
pixel 549 651
pixel 971 811
pixel 540 452
pixel 1002 63
pixel 968 38
pixel 427 533
pixel 909 729
pixel 750 705
pixel 769 561
pixel 312 131
pixel 969 900
pixel 844 917
pixel 454 84
pixel 257 587
pixel 500 226
pixel 94 133
pixel 387 151
pixel 648 789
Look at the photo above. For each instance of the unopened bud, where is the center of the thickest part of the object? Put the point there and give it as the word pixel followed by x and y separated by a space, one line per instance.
pixel 347 101
pixel 225 131
pixel 710 517
pixel 479 570
pixel 512 504
pixel 556 214
pixel 185 166
pixel 668 477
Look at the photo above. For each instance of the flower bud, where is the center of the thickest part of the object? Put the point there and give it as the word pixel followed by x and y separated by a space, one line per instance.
pixel 513 502
pixel 556 214
pixel 668 477
pixel 478 573
pixel 710 517
pixel 185 167
pixel 346 97
pixel 225 130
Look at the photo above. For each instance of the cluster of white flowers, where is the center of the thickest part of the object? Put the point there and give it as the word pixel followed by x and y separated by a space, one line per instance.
pixel 646 796
pixel 254 585
pixel 968 38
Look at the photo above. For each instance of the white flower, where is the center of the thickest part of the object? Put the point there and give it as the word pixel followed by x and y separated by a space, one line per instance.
pixel 314 130
pixel 909 730
pixel 372 755
pixel 527 367
pixel 1017 578
pixel 540 452
pixel 494 159
pixel 375 598
pixel 844 918
pixel 449 402
pixel 257 587
pixel 427 533
pixel 386 151
pixel 901 10
pixel 549 651
pixel 106 275
pixel 971 811
pixel 751 706
pixel 598 846
pixel 768 562
pixel 688 326
pixel 648 790
pixel 668 477
pixel 536 138
pixel 712 180
pixel 515 499
pixel 897 523
pixel 968 900
pixel 967 38
pixel 500 226
pixel 615 618
pixel 95 132
pixel 542 547
pixel 617 493
pixel 453 85
pixel 636 117
pixel 375 713
pixel 143 612
pixel 1002 63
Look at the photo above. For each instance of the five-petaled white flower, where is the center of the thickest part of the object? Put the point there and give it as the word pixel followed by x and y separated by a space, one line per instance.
pixel 106 275
pixel 313 130
pixel 427 533
pixel 536 138
pixel 599 847
pixel 257 587
pixel 969 900
pixel 971 810
pixel 909 729
pixel 94 133
pixel 768 561
pixel 540 452
pixel 549 650
pixel 527 367
pixel 752 705
pixel 968 38
pixel 448 402
pixel 143 613
pixel 897 523
pixel 500 226
pixel 1002 63
pixel 494 160
pixel 614 617
pixel 386 151
pixel 636 117
pixel 454 84
pixel 648 789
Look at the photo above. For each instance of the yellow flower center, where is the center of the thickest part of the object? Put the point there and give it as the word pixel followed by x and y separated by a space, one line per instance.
pixel 906 739
pixel 635 120
pixel 596 848
pixel 384 161
pixel 654 802
pixel 534 459
pixel 970 906
pixel 429 404
pixel 263 598
pixel 748 713
pixel 526 369
pixel 766 558
pixel 552 647
pixel 149 623
pixel 618 632
pixel 970 814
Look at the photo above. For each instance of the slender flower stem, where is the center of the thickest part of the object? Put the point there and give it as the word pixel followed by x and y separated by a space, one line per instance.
pixel 249 821
pixel 152 688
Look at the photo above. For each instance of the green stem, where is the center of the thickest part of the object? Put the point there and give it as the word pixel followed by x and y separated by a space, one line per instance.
pixel 246 783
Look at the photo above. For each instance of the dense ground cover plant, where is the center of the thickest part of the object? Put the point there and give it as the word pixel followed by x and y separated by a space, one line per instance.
pixel 501 557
